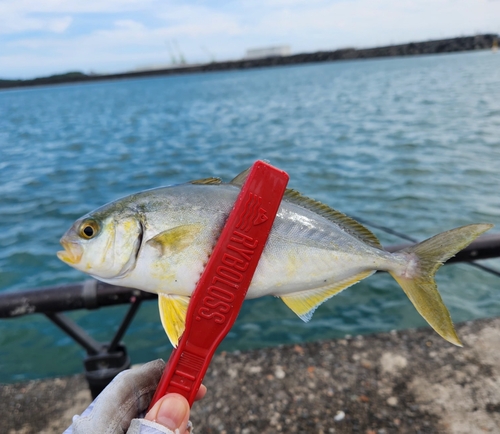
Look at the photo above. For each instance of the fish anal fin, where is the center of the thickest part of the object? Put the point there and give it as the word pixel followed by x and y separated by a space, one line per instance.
pixel 173 310
pixel 206 181
pixel 350 225
pixel 304 303
pixel 175 240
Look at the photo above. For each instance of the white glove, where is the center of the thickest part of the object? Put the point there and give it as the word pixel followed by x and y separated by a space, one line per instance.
pixel 120 407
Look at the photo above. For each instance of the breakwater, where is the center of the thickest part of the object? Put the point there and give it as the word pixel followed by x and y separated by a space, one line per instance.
pixel 400 382
pixel 465 43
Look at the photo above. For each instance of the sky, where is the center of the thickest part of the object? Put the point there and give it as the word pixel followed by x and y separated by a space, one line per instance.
pixel 44 37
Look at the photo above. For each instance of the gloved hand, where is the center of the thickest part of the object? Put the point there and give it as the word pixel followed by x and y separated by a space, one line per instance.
pixel 120 407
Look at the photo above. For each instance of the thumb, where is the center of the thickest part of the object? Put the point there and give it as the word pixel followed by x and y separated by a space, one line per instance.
pixel 172 411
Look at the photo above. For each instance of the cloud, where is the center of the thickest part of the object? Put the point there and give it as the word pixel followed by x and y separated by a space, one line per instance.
pixel 59 25
pixel 18 16
pixel 19 24
pixel 114 35
pixel 129 25
pixel 73 6
pixel 379 22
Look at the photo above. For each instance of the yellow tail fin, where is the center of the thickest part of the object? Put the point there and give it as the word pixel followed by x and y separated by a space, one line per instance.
pixel 418 283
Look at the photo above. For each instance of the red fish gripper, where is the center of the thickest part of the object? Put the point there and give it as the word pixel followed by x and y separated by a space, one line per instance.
pixel 223 285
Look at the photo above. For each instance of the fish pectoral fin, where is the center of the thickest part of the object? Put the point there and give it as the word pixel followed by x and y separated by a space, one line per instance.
pixel 304 303
pixel 175 240
pixel 173 310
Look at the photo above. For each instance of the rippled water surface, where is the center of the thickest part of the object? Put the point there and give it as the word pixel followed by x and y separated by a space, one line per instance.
pixel 409 143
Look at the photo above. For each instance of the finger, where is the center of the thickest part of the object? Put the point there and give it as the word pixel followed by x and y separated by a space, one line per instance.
pixel 201 393
pixel 171 411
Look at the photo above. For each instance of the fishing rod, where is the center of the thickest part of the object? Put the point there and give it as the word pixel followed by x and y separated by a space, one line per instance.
pixel 105 360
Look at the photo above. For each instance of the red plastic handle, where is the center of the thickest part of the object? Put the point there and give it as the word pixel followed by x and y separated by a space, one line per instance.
pixel 220 292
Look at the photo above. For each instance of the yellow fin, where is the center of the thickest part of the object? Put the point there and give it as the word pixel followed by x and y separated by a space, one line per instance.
pixel 304 303
pixel 175 240
pixel 207 181
pixel 173 310
pixel 419 285
pixel 424 295
pixel 240 179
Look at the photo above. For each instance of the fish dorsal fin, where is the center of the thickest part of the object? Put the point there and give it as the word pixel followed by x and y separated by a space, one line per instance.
pixel 240 179
pixel 304 303
pixel 347 223
pixel 206 181
pixel 173 310
pixel 175 240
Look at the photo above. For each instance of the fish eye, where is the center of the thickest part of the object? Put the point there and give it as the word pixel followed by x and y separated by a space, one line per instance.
pixel 89 229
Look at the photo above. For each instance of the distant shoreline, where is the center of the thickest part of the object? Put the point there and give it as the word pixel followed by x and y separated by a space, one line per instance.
pixel 466 43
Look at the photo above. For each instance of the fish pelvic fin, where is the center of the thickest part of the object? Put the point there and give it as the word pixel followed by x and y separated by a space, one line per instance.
pixel 304 303
pixel 418 282
pixel 173 310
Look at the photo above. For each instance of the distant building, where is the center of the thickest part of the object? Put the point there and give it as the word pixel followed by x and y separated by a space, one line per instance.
pixel 262 53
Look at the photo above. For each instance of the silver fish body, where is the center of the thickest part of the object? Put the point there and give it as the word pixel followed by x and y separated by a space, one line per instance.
pixel 160 240
pixel 304 250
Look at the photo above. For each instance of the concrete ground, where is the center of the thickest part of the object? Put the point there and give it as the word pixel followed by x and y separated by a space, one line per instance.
pixel 400 382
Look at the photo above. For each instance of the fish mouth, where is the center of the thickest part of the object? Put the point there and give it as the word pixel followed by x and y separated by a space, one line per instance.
pixel 72 253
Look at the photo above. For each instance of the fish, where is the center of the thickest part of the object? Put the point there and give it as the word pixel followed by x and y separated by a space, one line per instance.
pixel 159 241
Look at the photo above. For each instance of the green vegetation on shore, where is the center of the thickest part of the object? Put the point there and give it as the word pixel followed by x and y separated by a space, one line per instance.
pixel 53 79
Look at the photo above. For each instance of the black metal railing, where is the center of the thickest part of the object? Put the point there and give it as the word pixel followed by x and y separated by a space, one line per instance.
pixel 105 360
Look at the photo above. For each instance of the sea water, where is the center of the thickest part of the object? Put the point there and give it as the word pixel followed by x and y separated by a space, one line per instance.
pixel 409 143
